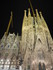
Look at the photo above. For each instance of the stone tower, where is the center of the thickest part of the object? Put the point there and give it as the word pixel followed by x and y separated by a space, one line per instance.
pixel 29 38
pixel 24 34
pixel 36 42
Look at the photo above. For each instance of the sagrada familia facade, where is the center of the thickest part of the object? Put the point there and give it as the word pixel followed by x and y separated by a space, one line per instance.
pixel 33 50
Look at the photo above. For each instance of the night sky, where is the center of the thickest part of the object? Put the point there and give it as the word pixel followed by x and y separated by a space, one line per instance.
pixel 18 6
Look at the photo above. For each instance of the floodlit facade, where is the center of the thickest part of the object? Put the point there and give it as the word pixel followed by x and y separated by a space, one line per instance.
pixel 33 50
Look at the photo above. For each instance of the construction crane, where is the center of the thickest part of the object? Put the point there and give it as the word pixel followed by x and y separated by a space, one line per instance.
pixel 10 21
pixel 32 9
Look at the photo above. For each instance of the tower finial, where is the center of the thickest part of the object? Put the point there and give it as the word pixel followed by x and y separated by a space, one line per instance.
pixel 37 13
pixel 29 14
pixel 25 13
pixel 43 20
pixel 40 14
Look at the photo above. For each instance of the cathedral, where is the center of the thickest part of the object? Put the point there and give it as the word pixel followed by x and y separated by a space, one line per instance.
pixel 33 50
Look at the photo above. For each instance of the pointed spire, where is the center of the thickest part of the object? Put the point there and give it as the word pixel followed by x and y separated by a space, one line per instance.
pixel 43 20
pixel 29 14
pixel 25 13
pixel 37 13
pixel 24 20
pixel 41 14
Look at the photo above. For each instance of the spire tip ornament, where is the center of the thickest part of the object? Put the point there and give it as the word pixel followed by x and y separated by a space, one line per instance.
pixel 25 13
pixel 29 14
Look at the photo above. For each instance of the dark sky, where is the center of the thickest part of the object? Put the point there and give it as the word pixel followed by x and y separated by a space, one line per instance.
pixel 18 6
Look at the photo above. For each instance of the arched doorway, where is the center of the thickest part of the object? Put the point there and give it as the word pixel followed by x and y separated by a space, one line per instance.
pixel 43 68
pixel 39 66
